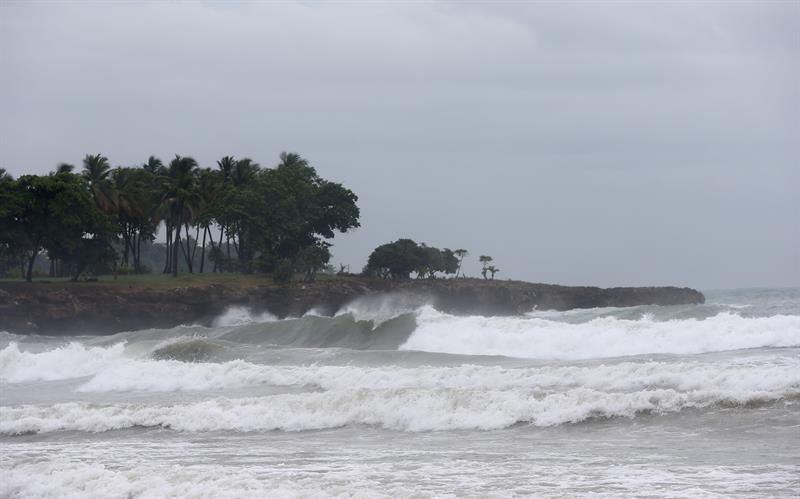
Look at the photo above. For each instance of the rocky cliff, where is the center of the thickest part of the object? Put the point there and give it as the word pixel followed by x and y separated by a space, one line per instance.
pixel 108 307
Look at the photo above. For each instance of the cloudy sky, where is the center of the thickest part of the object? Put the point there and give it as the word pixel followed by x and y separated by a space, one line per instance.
pixel 578 143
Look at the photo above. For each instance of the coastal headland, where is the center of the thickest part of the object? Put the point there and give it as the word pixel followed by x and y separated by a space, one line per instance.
pixel 108 306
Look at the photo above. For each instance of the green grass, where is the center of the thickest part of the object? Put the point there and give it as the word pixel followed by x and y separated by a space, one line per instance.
pixel 184 279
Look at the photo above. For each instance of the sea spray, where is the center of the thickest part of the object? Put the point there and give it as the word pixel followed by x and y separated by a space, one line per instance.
pixel 240 316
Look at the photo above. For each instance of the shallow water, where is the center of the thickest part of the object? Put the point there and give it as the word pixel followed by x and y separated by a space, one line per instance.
pixel 394 399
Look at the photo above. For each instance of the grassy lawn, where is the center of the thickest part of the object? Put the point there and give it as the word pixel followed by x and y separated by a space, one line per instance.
pixel 167 281
pixel 159 280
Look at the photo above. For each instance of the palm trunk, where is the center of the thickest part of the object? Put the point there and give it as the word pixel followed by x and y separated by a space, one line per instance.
pixel 177 241
pixel 219 247
pixel 187 253
pixel 133 253
pixel 211 238
pixel 167 267
pixel 139 254
pixel 203 250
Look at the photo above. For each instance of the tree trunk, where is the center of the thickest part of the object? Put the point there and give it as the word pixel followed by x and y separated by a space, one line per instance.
pixel 29 275
pixel 187 252
pixel 211 238
pixel 196 240
pixel 126 237
pixel 203 250
pixel 219 247
pixel 136 238
pixel 139 253
pixel 177 241
pixel 167 267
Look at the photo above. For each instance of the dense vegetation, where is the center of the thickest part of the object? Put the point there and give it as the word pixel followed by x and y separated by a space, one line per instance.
pixel 397 260
pixel 238 216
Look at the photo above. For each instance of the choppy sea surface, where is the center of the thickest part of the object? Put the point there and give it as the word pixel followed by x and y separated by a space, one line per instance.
pixel 390 399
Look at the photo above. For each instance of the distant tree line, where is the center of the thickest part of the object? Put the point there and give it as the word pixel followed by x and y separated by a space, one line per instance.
pixel 397 260
pixel 247 218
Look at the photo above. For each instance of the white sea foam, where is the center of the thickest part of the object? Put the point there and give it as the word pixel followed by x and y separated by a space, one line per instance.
pixel 114 368
pixel 384 474
pixel 69 479
pixel 535 337
pixel 242 316
pixel 406 409
pixel 70 361
pixel 161 376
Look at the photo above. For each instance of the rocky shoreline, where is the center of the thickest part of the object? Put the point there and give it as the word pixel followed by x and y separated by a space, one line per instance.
pixel 110 307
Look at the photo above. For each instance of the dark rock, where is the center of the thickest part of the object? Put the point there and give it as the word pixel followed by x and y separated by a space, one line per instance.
pixel 105 308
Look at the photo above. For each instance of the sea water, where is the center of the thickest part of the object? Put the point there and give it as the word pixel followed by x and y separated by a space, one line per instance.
pixel 392 398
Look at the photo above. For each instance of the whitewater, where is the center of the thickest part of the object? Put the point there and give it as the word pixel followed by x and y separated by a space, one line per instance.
pixel 390 397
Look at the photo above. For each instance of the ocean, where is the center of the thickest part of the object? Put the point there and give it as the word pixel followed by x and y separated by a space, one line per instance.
pixel 391 398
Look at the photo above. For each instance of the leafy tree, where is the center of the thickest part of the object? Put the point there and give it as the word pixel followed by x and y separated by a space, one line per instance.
pixel 395 260
pixel 485 261
pixel 56 213
pixel 284 210
pixel 460 254
pixel 14 241
pixel 312 259
pixel 492 270
pixel 398 259
pixel 266 216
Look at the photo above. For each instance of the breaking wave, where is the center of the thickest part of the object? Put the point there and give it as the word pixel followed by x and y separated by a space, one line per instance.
pixel 405 409
pixel 539 338
pixel 409 398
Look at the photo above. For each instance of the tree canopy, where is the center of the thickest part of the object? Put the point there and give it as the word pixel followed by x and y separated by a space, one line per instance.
pixel 397 260
pixel 260 216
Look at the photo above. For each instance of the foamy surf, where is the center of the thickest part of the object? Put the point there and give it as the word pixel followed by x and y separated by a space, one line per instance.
pixel 539 338
pixel 406 409
pixel 400 400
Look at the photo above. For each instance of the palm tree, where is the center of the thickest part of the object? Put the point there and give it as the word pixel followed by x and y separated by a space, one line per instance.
pixel 243 172
pixel 290 159
pixel 209 183
pixel 226 166
pixel 133 208
pixel 64 168
pixel 181 198
pixel 96 171
pixel 154 166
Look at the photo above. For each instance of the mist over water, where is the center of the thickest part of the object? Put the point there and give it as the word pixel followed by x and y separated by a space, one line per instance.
pixel 391 397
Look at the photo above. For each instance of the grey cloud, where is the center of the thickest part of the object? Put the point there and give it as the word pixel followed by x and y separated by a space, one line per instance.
pixel 598 143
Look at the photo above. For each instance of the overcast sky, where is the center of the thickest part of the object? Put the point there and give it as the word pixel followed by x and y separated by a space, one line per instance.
pixel 592 143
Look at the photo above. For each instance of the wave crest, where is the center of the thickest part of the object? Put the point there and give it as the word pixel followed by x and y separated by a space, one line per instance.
pixel 396 409
pixel 539 338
